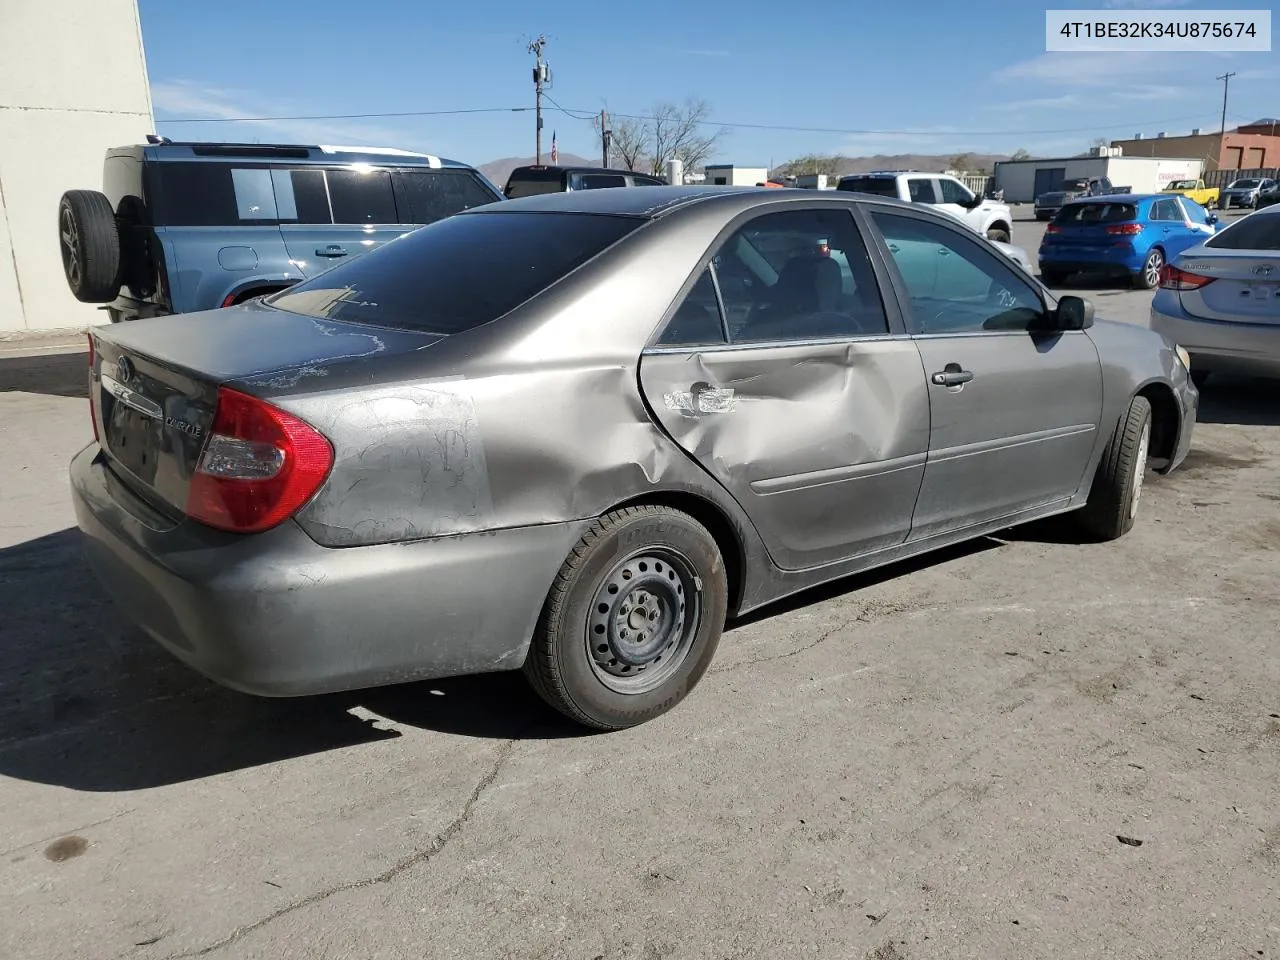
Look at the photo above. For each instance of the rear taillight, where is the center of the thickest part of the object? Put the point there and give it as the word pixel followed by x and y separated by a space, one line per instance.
pixel 1124 229
pixel 259 466
pixel 93 400
pixel 1053 228
pixel 1171 278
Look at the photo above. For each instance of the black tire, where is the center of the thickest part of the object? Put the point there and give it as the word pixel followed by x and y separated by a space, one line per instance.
pixel 90 243
pixel 1052 278
pixel 1117 486
pixel 637 556
pixel 1198 378
pixel 1000 236
pixel 1148 278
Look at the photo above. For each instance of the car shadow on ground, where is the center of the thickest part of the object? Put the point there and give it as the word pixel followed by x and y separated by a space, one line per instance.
pixel 55 375
pixel 88 703
pixel 1244 401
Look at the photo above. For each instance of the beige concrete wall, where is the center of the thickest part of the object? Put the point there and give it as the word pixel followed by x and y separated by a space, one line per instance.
pixel 73 82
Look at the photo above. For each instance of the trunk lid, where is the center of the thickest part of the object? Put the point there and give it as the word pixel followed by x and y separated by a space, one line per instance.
pixel 1245 285
pixel 155 382
pixel 1099 224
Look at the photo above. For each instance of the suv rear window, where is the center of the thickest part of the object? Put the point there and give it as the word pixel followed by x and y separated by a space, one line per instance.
pixel 530 183
pixel 880 186
pixel 211 194
pixel 458 273
pixel 1250 233
pixel 1083 214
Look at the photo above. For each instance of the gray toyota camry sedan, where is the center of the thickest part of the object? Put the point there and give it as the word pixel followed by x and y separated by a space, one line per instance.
pixel 572 433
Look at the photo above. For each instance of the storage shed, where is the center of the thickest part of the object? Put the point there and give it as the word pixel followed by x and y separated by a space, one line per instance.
pixel 1024 180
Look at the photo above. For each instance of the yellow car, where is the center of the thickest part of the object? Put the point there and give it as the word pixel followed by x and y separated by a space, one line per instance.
pixel 1207 197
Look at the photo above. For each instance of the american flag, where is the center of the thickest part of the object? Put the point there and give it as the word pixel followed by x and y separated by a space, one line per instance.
pixel 554 155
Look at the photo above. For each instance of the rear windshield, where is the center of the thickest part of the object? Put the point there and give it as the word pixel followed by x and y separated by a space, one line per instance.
pixel 529 183
pixel 1253 232
pixel 1078 214
pixel 212 194
pixel 880 186
pixel 458 273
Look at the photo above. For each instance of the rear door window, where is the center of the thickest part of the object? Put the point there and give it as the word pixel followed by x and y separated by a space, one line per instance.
pixel 457 273
pixel 358 196
pixel 1165 210
pixel 424 197
pixel 923 190
pixel 301 196
pixel 879 186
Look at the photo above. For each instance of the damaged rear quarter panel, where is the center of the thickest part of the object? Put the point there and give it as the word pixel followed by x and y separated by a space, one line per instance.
pixel 533 419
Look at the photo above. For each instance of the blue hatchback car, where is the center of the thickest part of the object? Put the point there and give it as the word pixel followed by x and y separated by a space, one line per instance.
pixel 1132 235
pixel 181 227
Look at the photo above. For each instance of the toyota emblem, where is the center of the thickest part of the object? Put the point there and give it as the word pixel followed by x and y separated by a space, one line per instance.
pixel 1263 270
pixel 124 370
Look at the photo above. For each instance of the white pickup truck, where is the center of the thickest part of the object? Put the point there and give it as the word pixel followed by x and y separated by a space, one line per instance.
pixel 990 218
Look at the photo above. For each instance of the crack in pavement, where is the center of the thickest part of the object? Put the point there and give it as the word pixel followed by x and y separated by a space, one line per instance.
pixel 421 856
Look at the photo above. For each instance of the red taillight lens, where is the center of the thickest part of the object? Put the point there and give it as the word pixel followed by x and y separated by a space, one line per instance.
pixel 1053 228
pixel 1171 278
pixel 93 401
pixel 1124 229
pixel 258 467
pixel 229 300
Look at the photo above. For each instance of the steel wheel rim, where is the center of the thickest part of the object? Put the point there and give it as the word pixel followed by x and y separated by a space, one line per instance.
pixel 1140 469
pixel 643 620
pixel 70 239
pixel 1153 267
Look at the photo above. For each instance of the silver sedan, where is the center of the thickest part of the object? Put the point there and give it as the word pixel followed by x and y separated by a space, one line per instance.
pixel 572 433
pixel 1221 299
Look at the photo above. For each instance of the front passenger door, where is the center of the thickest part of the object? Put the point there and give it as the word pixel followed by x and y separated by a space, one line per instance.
pixel 1013 412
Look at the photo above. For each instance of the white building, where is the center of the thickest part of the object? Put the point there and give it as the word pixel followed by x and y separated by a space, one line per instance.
pixel 73 82
pixel 1024 180
pixel 730 175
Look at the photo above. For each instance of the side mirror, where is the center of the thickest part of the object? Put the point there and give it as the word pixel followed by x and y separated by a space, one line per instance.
pixel 1211 218
pixel 1074 313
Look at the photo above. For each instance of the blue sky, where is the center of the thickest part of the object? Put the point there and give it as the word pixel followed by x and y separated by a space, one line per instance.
pixel 944 78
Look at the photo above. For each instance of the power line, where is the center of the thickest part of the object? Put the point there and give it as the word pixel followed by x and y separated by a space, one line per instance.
pixel 587 115
pixel 348 116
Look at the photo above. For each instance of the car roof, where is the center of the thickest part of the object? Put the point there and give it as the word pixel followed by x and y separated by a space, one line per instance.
pixel 170 150
pixel 654 202
pixel 1116 198
pixel 610 170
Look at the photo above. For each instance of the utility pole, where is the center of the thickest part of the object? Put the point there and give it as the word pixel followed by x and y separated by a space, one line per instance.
pixel 605 136
pixel 541 77
pixel 1226 82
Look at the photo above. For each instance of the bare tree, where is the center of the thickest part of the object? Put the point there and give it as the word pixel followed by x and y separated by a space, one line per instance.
pixel 669 132
pixel 1020 154
pixel 810 164
pixel 629 140
pixel 676 132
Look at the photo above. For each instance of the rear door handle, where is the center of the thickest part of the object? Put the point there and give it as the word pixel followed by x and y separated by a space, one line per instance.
pixel 953 376
pixel 332 250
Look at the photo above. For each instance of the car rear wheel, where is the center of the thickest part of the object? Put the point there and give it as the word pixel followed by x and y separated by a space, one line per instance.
pixel 89 240
pixel 1149 276
pixel 1117 486
pixel 633 619
pixel 999 235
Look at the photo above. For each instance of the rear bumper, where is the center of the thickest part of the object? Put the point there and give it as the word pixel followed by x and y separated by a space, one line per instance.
pixel 276 614
pixel 1068 260
pixel 1247 349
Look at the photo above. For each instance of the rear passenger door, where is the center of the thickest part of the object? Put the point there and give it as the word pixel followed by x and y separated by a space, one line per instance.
pixel 795 386
pixel 336 213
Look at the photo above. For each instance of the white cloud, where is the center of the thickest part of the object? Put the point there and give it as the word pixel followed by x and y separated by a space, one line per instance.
pixel 1146 4
pixel 184 99
pixel 1038 103
pixel 1084 69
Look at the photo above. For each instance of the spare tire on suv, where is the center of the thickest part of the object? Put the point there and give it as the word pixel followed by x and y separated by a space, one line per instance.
pixel 90 242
